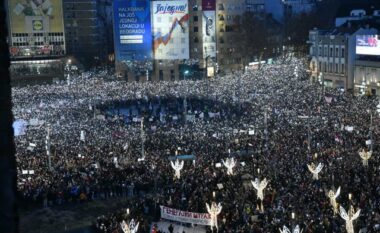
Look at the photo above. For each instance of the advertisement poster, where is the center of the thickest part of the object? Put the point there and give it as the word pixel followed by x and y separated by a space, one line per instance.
pixel 132 30
pixel 30 21
pixel 171 30
pixel 209 28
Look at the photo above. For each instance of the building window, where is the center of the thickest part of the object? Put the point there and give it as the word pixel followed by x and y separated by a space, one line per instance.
pixel 195 18
pixel 342 69
pixel 336 52
pixel 336 68
pixel 342 52
pixel 195 29
pixel 161 75
pixel 331 52
pixel 196 40
pixel 221 7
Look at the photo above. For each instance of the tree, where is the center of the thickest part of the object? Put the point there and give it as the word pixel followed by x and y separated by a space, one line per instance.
pixel 252 36
pixel 8 206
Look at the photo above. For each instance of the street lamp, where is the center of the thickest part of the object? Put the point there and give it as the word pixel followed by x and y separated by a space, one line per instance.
pixel 229 164
pixel 260 186
pixel 349 218
pixel 333 196
pixel 315 170
pixel 177 166
pixel 365 156
pixel 214 210
pixel 132 227
pixel 48 144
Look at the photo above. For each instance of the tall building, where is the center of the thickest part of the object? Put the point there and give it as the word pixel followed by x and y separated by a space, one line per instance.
pixel 36 38
pixel 86 41
pixel 342 57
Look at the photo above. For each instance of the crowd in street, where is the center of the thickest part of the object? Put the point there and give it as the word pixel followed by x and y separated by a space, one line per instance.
pixel 274 121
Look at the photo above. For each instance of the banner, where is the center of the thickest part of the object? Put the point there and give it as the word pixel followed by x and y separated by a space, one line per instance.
pixel 170 30
pixel 132 30
pixel 185 217
pixel 208 32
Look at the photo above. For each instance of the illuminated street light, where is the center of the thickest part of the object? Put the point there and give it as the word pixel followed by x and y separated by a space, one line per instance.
pixel 230 163
pixel 132 227
pixel 286 230
pixel 177 166
pixel 333 196
pixel 315 170
pixel 365 156
pixel 349 218
pixel 260 186
pixel 214 211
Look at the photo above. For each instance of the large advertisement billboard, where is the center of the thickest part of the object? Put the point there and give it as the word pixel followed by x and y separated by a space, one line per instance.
pixel 208 28
pixel 367 45
pixel 132 30
pixel 36 27
pixel 170 30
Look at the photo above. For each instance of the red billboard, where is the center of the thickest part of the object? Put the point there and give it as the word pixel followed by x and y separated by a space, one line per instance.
pixel 208 5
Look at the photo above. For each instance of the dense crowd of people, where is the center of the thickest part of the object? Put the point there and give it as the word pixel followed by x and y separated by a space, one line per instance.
pixel 96 145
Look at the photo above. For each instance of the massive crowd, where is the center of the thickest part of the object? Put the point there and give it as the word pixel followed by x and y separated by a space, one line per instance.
pixel 95 148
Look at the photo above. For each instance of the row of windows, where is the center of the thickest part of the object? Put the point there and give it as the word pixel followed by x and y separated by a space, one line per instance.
pixel 37 34
pixel 331 67
pixel 38 43
pixel 37 39
pixel 326 52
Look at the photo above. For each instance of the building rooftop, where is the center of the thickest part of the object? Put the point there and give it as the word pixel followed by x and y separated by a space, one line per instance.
pixel 368 6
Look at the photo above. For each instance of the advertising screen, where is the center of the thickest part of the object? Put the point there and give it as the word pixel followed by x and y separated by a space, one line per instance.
pixel 208 28
pixel 132 30
pixel 367 45
pixel 33 25
pixel 171 29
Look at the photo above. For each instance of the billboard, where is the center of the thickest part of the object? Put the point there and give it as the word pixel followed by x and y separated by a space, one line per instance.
pixel 36 27
pixel 132 30
pixel 367 45
pixel 170 30
pixel 208 5
pixel 209 28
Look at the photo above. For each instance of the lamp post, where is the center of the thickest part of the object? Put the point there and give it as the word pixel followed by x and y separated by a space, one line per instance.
pixel 214 210
pixel 229 163
pixel 349 217
pixel 48 144
pixel 132 227
pixel 365 156
pixel 185 73
pixel 260 186
pixel 177 166
pixel 142 139
pixel 315 170
pixel 333 196
pixel 284 229
pixel 322 82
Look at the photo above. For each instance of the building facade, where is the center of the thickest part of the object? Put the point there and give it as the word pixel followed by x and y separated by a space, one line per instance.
pixel 334 60
pixel 36 38
pixel 86 41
